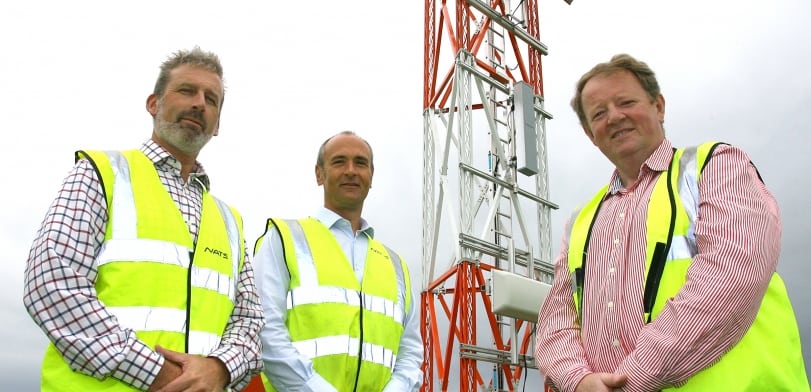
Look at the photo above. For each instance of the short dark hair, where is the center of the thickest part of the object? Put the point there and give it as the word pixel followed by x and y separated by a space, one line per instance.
pixel 319 160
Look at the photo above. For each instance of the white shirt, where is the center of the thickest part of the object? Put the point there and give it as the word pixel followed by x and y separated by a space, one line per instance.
pixel 284 366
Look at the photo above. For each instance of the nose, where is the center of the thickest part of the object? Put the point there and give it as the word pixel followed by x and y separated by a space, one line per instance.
pixel 199 101
pixel 614 115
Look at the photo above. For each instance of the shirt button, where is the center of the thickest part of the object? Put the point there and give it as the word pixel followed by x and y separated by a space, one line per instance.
pixel 611 270
pixel 622 215
pixel 610 304
pixel 616 241
pixel 616 343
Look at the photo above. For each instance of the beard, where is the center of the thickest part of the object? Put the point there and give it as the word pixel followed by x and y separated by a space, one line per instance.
pixel 186 138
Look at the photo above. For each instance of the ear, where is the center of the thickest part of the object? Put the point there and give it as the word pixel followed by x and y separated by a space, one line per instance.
pixel 660 107
pixel 319 175
pixel 152 105
pixel 589 134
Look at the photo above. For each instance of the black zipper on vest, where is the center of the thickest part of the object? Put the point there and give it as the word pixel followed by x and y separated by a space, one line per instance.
pixel 657 267
pixel 188 301
pixel 580 273
pixel 360 344
pixel 659 258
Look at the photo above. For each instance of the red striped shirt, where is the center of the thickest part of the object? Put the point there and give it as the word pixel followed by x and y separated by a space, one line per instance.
pixel 737 234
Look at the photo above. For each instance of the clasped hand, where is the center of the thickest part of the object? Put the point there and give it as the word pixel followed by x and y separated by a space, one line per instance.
pixel 183 372
pixel 602 382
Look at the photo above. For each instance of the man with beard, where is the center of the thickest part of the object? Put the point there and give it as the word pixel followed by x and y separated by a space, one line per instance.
pixel 138 276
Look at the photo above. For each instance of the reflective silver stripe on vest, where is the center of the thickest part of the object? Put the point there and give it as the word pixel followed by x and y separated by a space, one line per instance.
pixel 680 248
pixel 203 343
pixel 398 269
pixel 143 250
pixel 167 253
pixel 236 248
pixel 384 306
pixel 687 185
pixel 310 292
pixel 307 275
pixel 124 244
pixel 324 295
pixel 344 344
pixel 144 318
pixel 213 280
pixel 123 200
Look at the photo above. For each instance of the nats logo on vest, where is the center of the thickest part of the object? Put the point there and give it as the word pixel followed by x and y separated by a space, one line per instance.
pixel 217 252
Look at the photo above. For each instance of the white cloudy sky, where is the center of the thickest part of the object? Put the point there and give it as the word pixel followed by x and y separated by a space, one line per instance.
pixel 76 75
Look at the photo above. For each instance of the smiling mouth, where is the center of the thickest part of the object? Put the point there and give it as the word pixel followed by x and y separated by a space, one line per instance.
pixel 192 121
pixel 620 133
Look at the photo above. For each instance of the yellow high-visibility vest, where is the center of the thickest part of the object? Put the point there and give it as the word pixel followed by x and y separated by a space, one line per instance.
pixel 151 276
pixel 350 331
pixel 769 356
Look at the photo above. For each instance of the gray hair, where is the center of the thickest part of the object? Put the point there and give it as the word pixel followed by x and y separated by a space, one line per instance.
pixel 195 57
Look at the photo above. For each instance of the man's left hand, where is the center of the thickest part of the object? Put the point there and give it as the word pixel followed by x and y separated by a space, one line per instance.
pixel 200 374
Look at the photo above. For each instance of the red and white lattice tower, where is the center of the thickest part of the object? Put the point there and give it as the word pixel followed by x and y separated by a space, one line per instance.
pixel 486 213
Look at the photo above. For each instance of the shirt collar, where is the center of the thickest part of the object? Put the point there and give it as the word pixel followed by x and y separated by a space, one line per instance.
pixel 657 162
pixel 159 156
pixel 330 219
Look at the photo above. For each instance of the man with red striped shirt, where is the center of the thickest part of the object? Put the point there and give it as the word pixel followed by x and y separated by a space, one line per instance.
pixel 666 277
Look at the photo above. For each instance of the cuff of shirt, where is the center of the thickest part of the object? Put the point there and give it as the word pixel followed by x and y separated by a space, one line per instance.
pixel 639 380
pixel 316 383
pixel 234 363
pixel 140 367
pixel 571 379
pixel 397 384
pixel 240 384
